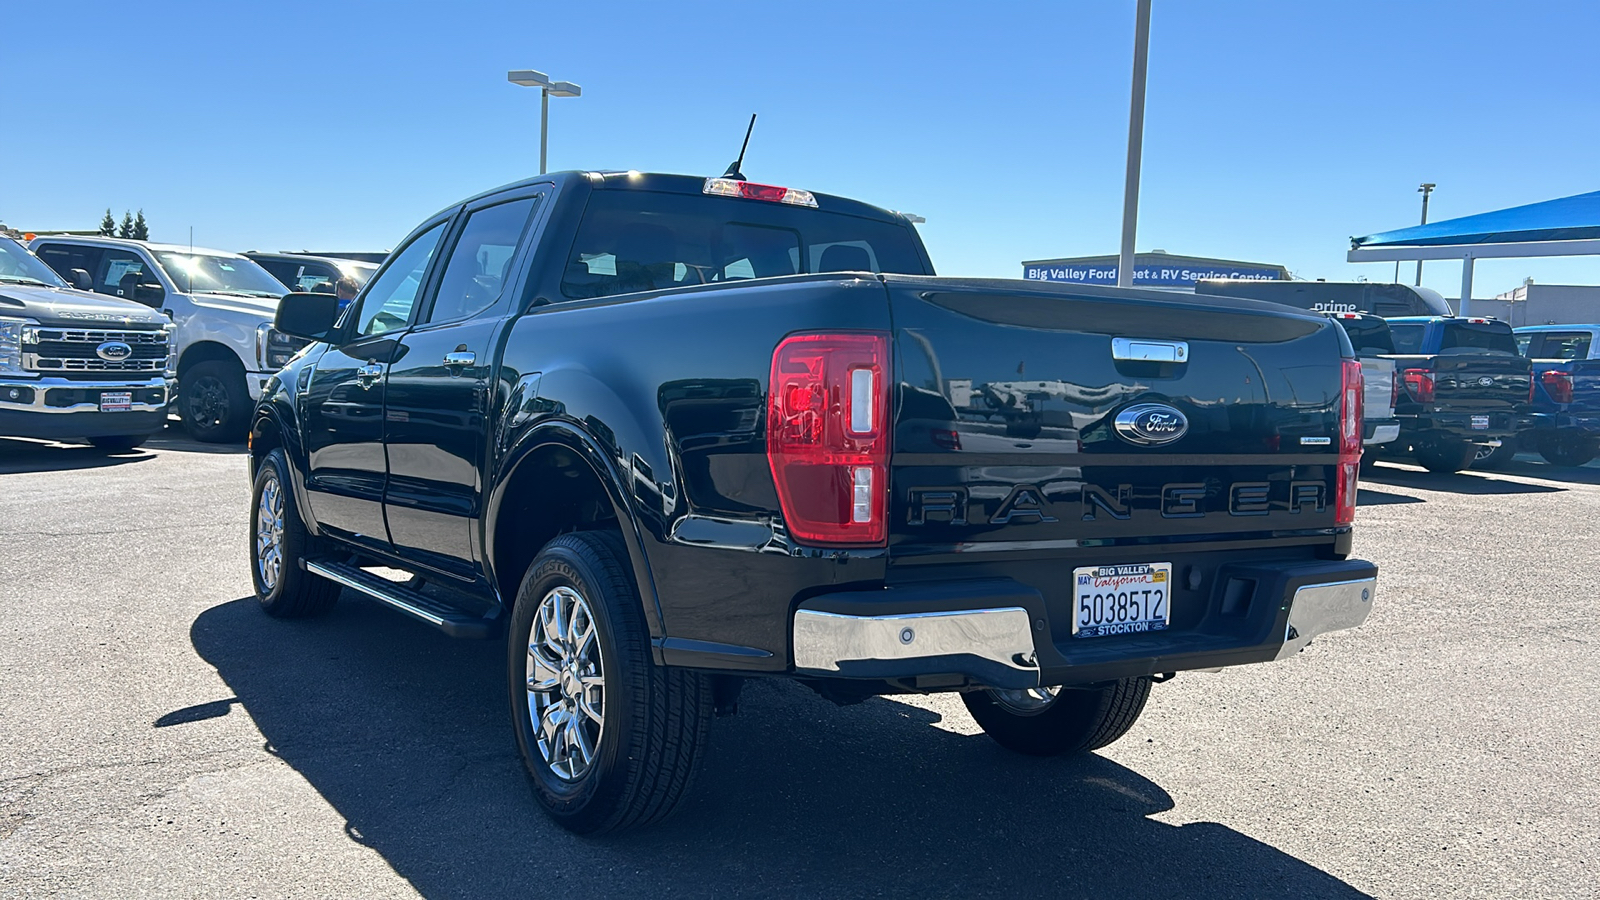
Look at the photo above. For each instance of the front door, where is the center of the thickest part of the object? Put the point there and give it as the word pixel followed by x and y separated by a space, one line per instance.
pixel 342 409
pixel 441 388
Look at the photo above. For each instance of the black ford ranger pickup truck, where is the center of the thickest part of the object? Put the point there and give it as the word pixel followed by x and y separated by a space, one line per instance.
pixel 668 433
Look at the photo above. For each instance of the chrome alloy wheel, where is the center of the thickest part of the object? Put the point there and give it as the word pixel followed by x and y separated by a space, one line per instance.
pixel 566 683
pixel 269 533
pixel 1028 700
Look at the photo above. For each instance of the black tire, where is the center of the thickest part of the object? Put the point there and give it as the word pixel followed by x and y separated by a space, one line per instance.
pixel 654 720
pixel 1496 457
pixel 1446 458
pixel 1567 450
pixel 293 593
pixel 1075 721
pixel 214 401
pixel 118 443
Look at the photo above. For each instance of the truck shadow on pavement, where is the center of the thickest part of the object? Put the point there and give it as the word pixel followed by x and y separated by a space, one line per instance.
pixel 404 732
pixel 1458 483
pixel 24 457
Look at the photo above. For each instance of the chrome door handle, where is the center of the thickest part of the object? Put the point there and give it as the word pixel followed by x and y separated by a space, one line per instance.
pixel 368 375
pixel 459 358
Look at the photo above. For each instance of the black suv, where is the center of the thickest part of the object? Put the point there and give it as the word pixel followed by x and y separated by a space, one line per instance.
pixel 304 272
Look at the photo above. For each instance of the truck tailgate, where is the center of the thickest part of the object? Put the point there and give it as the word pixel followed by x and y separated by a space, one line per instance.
pixel 1377 375
pixel 1007 438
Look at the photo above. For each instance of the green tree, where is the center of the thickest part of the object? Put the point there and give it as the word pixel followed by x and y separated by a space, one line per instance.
pixel 126 231
pixel 108 225
pixel 141 231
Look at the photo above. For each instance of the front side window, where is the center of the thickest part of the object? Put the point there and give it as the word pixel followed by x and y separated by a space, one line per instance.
pixel 386 306
pixel 203 273
pixel 476 274
pixel 120 271
pixel 63 258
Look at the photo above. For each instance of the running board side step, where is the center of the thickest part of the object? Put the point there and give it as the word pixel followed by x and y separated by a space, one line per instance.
pixel 448 619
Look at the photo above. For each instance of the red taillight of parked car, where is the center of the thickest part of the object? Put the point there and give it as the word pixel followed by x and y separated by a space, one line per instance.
pixel 1350 399
pixel 1419 384
pixel 828 436
pixel 1557 384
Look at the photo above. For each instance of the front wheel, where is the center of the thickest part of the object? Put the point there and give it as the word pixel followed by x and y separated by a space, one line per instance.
pixel 1446 457
pixel 214 402
pixel 278 543
pixel 1059 721
pixel 609 739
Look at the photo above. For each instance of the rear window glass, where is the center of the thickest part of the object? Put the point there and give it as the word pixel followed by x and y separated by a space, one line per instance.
pixel 1478 336
pixel 1407 338
pixel 643 241
pixel 1369 336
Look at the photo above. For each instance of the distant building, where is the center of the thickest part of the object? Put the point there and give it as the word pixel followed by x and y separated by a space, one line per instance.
pixel 1157 269
pixel 1540 304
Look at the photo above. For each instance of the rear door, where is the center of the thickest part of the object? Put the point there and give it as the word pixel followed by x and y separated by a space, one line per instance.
pixel 440 388
pixel 342 408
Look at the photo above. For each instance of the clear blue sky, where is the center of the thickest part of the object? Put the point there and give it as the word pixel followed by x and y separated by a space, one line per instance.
pixel 1275 130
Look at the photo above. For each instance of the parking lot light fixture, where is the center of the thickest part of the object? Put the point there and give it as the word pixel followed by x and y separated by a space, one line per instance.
pixel 547 89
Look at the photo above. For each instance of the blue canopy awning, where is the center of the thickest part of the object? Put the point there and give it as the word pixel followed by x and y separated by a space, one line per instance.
pixel 1574 218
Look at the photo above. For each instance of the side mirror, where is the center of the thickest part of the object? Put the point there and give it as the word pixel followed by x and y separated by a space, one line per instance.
pixel 79 278
pixel 307 315
pixel 149 294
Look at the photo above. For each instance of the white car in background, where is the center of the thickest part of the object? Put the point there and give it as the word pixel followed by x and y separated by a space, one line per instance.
pixel 220 303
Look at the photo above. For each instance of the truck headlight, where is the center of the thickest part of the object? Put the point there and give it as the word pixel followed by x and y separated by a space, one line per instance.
pixel 274 349
pixel 11 344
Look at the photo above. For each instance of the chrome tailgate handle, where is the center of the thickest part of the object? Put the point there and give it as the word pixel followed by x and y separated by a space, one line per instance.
pixel 1148 350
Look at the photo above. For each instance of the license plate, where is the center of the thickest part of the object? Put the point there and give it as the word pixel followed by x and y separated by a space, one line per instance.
pixel 116 401
pixel 1128 599
pixel 1480 423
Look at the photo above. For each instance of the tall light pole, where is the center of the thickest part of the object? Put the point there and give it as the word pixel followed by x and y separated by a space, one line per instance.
pixel 1130 193
pixel 547 89
pixel 1426 189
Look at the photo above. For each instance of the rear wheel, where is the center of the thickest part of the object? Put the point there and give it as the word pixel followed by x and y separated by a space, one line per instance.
pixel 214 401
pixel 1058 721
pixel 1567 450
pixel 278 542
pixel 1496 457
pixel 1446 457
pixel 118 443
pixel 609 739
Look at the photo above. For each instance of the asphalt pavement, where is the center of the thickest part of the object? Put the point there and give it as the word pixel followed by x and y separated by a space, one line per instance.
pixel 160 736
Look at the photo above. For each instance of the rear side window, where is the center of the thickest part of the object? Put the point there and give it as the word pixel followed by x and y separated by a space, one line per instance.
pixel 1560 345
pixel 641 241
pixel 1478 336
pixel 1407 338
pixel 66 257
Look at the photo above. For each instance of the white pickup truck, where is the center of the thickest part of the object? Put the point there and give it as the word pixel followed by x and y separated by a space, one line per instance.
pixel 220 303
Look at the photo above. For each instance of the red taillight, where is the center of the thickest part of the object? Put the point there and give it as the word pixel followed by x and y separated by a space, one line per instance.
pixel 1557 384
pixel 1349 442
pixel 828 436
pixel 1394 391
pixel 1419 384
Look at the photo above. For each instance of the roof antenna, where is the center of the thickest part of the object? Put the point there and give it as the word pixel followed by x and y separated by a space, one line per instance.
pixel 733 168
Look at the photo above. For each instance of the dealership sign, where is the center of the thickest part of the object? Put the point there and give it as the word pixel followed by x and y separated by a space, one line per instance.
pixel 1176 272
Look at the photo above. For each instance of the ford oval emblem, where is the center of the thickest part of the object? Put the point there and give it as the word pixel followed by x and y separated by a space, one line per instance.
pixel 113 351
pixel 1485 381
pixel 1149 424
